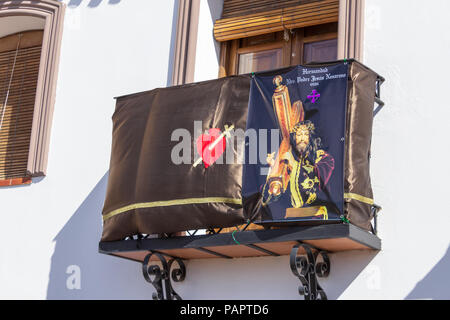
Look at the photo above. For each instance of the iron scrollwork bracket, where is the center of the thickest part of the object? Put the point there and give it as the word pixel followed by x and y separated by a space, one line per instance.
pixel 307 267
pixel 160 278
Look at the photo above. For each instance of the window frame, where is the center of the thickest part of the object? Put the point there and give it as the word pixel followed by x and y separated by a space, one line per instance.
pixel 53 14
pixel 231 57
pixel 21 53
pixel 292 49
pixel 349 38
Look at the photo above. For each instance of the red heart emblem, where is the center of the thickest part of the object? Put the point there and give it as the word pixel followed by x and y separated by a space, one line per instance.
pixel 210 155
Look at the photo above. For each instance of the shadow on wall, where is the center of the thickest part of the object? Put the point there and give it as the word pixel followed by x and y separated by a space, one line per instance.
pixel 91 4
pixel 436 284
pixel 78 271
pixel 345 268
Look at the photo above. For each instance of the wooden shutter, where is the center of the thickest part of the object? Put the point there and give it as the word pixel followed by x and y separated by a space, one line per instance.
pixel 236 8
pixel 19 68
pixel 296 16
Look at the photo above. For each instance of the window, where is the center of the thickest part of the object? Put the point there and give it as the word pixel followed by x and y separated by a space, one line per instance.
pixel 19 68
pixel 281 49
pixel 257 36
pixel 30 34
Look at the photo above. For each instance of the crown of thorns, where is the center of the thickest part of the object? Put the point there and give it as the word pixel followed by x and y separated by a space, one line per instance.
pixel 304 125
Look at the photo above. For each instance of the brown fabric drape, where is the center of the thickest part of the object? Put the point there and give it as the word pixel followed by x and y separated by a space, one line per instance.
pixel 147 193
pixel 357 186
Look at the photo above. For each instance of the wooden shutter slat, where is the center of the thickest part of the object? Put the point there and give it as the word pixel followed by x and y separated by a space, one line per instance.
pixel 9 114
pixel 25 102
pixel 19 156
pixel 17 163
pixel 9 57
pixel 32 52
pixel 25 128
pixel 6 74
pixel 12 150
pixel 11 171
pixel 299 16
pixel 16 144
pixel 13 121
pixel 15 140
pixel 16 152
pixel 252 29
pixel 15 89
pixel 25 93
pixel 15 132
pixel 275 21
pixel 16 159
pixel 31 71
pixel 6 71
pixel 23 117
pixel 234 8
pixel 17 136
pixel 13 147
pixel 14 163
pixel 26 96
pixel 27 60
pixel 17 85
pixel 13 174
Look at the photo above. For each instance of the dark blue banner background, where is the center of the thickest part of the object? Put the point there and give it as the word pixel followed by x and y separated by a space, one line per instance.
pixel 327 114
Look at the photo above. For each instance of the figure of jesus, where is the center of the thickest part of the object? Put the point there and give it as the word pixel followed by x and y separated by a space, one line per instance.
pixel 309 166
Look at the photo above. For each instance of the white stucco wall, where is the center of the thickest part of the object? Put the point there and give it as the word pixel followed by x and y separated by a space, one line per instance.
pixel 109 48
pixel 405 41
pixel 115 47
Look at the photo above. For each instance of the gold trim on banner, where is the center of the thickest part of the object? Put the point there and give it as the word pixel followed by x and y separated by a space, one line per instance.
pixel 167 203
pixel 358 197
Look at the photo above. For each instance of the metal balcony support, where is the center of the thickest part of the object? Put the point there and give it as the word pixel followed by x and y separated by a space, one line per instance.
pixel 308 257
pixel 378 101
pixel 307 267
pixel 161 278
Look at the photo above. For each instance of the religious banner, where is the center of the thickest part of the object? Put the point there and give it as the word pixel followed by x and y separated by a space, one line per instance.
pixel 300 170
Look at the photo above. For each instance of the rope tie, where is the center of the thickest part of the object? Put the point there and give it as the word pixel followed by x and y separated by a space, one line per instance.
pixel 344 219
pixel 232 234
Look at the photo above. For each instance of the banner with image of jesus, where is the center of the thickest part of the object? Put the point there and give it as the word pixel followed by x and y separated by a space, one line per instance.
pixel 300 170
